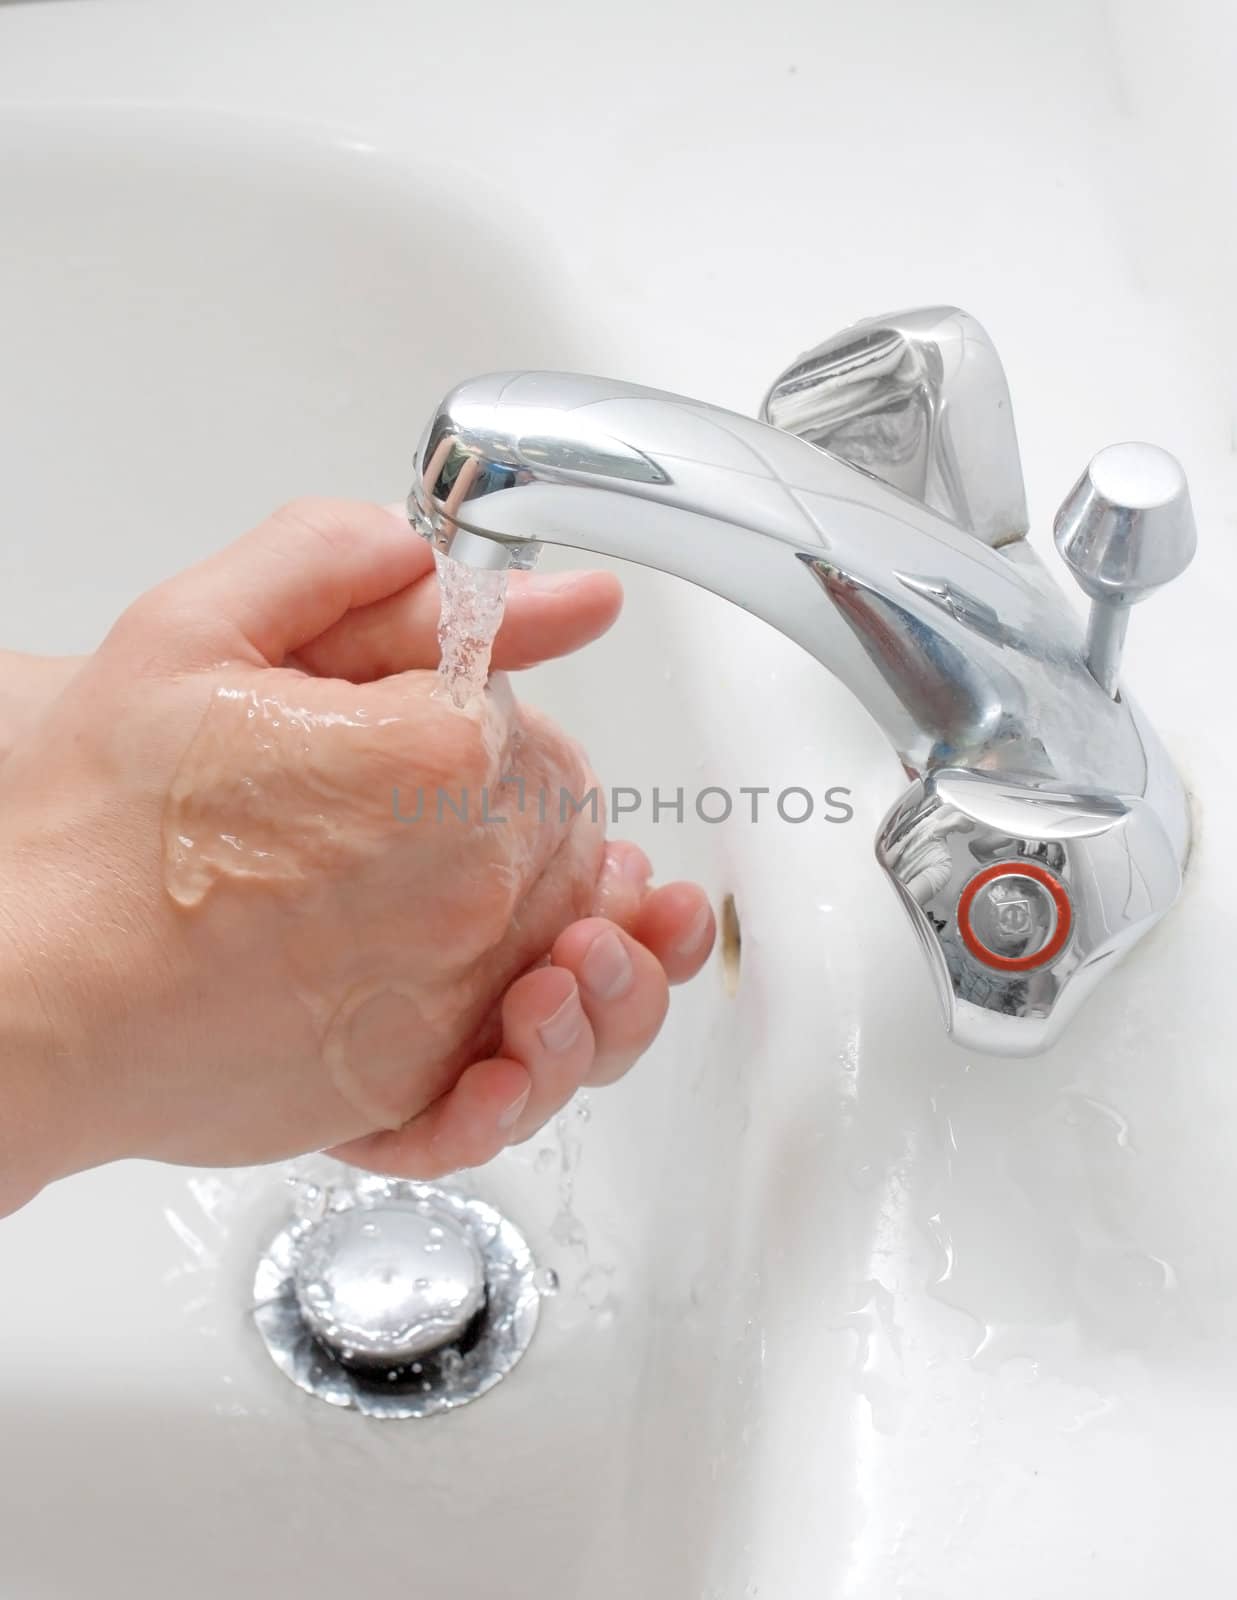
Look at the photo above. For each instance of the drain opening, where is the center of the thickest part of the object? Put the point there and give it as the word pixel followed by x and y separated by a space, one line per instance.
pixel 400 1300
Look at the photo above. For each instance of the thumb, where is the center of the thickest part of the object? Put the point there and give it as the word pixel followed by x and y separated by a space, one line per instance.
pixel 281 585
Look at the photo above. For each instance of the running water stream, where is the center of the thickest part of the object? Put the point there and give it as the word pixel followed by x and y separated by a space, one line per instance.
pixel 473 601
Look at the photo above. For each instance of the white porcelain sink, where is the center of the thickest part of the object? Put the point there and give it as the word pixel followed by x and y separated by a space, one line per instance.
pixel 845 1312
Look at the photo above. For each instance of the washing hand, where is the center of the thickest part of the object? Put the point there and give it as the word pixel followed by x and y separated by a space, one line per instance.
pixel 243 917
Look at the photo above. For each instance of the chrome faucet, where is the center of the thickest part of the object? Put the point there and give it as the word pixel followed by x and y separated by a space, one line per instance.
pixel 876 515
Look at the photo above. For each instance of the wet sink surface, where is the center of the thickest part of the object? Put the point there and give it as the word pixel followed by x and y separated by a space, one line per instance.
pixel 845 1312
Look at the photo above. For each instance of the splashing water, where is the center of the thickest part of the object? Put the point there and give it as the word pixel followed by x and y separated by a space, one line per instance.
pixel 473 602
pixel 593 1279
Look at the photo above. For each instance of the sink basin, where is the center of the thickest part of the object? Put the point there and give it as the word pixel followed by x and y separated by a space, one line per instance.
pixel 845 1312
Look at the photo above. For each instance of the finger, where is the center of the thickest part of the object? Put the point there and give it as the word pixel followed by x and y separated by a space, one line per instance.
pixel 465 1127
pixel 623 989
pixel 553 613
pixel 676 923
pixel 622 883
pixel 545 1027
pixel 546 615
pixel 291 579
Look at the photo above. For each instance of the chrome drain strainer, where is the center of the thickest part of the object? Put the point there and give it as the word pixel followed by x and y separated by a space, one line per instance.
pixel 399 1300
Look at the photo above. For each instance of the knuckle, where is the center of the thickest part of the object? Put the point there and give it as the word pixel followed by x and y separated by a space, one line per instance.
pixel 148 628
pixel 143 614
pixel 460 753
pixel 309 519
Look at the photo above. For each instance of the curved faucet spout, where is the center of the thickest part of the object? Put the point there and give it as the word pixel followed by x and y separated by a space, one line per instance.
pixel 964 654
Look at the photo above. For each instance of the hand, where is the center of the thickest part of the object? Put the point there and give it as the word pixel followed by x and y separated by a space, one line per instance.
pixel 223 945
pixel 28 685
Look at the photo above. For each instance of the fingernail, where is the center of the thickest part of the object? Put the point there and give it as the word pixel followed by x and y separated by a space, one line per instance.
pixel 627 862
pixel 509 1117
pixel 636 866
pixel 694 937
pixel 559 1032
pixel 606 970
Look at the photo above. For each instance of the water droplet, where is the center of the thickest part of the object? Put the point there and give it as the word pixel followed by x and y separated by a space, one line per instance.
pixel 310 1202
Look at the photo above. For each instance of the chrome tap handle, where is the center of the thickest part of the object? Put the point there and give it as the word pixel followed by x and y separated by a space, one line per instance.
pixel 1126 529
pixel 1023 894
pixel 919 400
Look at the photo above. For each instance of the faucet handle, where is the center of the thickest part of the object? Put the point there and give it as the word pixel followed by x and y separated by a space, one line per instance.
pixel 1125 529
pixel 919 400
pixel 1022 894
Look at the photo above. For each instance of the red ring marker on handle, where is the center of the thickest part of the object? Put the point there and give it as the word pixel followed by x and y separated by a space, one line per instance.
pixel 1015 869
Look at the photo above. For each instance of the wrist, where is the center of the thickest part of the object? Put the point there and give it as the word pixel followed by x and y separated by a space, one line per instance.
pixel 44 1121
pixel 28 684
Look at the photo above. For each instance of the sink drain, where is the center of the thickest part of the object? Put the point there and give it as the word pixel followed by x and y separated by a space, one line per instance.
pixel 400 1300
